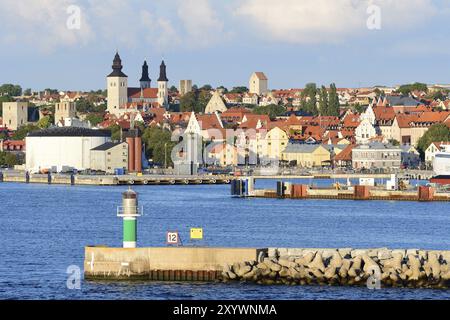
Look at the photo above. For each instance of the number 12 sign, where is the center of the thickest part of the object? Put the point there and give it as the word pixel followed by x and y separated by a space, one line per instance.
pixel 173 238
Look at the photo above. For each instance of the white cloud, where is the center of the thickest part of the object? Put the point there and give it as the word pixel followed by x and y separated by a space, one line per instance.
pixel 200 21
pixel 159 31
pixel 160 24
pixel 41 24
pixel 309 21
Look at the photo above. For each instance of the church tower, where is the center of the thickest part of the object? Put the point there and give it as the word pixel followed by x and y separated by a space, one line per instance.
pixel 117 86
pixel 163 91
pixel 145 79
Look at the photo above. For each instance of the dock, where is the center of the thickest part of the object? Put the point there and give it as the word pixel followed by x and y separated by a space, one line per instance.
pixel 244 188
pixel 114 180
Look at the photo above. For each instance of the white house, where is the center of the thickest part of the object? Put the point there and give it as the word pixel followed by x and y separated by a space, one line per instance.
pixel 365 131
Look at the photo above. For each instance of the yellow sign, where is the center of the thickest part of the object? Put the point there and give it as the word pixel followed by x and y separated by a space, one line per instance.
pixel 196 233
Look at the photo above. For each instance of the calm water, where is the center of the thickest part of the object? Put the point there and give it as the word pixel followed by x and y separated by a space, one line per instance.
pixel 44 229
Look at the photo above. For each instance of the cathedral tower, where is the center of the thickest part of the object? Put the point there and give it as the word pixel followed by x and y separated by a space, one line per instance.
pixel 163 91
pixel 117 87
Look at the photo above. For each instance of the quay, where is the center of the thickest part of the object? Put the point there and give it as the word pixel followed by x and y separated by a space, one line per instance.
pixel 245 188
pixel 111 180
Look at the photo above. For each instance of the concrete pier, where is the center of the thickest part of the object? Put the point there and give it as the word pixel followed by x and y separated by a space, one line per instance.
pixel 380 267
pixel 165 264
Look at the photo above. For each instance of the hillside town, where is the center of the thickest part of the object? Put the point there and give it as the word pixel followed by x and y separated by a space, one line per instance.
pixel 131 129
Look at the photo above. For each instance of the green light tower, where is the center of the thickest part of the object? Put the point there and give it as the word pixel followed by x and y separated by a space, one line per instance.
pixel 129 211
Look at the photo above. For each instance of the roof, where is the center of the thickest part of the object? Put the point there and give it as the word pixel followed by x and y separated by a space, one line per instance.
pixel 346 154
pixel 70 132
pixel 376 145
pixel 261 75
pixel 106 146
pixel 301 148
pixel 402 101
pixel 147 93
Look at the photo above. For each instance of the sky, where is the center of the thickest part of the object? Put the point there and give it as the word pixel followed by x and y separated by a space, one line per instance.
pixel 70 44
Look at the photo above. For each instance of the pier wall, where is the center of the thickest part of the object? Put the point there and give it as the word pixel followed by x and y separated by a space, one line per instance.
pixel 162 263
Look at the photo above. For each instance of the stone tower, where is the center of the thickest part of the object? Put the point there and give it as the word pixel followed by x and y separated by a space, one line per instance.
pixel 65 109
pixel 163 91
pixel 117 86
pixel 145 79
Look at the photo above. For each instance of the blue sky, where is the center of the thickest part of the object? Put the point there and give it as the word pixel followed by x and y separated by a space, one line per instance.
pixel 221 42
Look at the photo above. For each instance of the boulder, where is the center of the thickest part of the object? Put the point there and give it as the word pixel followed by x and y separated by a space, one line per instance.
pixel 343 270
pixel 286 263
pixel 414 268
pixel 305 259
pixel 317 263
pixel 384 254
pixel 272 264
pixel 358 252
pixel 432 266
pixel 355 269
pixel 345 252
pixel 243 270
pixel 284 272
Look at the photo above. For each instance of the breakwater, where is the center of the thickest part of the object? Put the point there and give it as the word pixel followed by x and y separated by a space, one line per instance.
pixel 384 267
pixel 412 268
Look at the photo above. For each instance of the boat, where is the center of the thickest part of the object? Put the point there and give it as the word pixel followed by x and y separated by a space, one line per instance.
pixel 441 166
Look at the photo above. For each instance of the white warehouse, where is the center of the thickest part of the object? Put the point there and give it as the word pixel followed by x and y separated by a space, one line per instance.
pixel 60 148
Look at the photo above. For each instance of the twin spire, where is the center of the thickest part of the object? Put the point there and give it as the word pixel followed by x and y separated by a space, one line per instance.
pixel 145 78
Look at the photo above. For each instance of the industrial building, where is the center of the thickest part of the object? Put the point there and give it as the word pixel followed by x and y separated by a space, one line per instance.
pixel 61 149
pixel 109 157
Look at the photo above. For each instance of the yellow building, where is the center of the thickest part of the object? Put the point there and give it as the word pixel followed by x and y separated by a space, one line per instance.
pixel 307 155
pixel 275 143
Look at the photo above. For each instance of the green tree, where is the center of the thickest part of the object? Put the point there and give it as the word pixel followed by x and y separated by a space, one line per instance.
pixel 44 122
pixel 8 159
pixel 408 88
pixel 323 101
pixel 359 108
pixel 195 101
pixel 94 118
pixel 394 142
pixel 10 90
pixel 23 131
pixel 224 90
pixel 116 131
pixel 309 99
pixel 240 90
pixel 27 92
pixel 202 100
pixel 271 110
pixel 158 145
pixel 188 102
pixel 333 105
pixel 206 87
pixel 437 132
